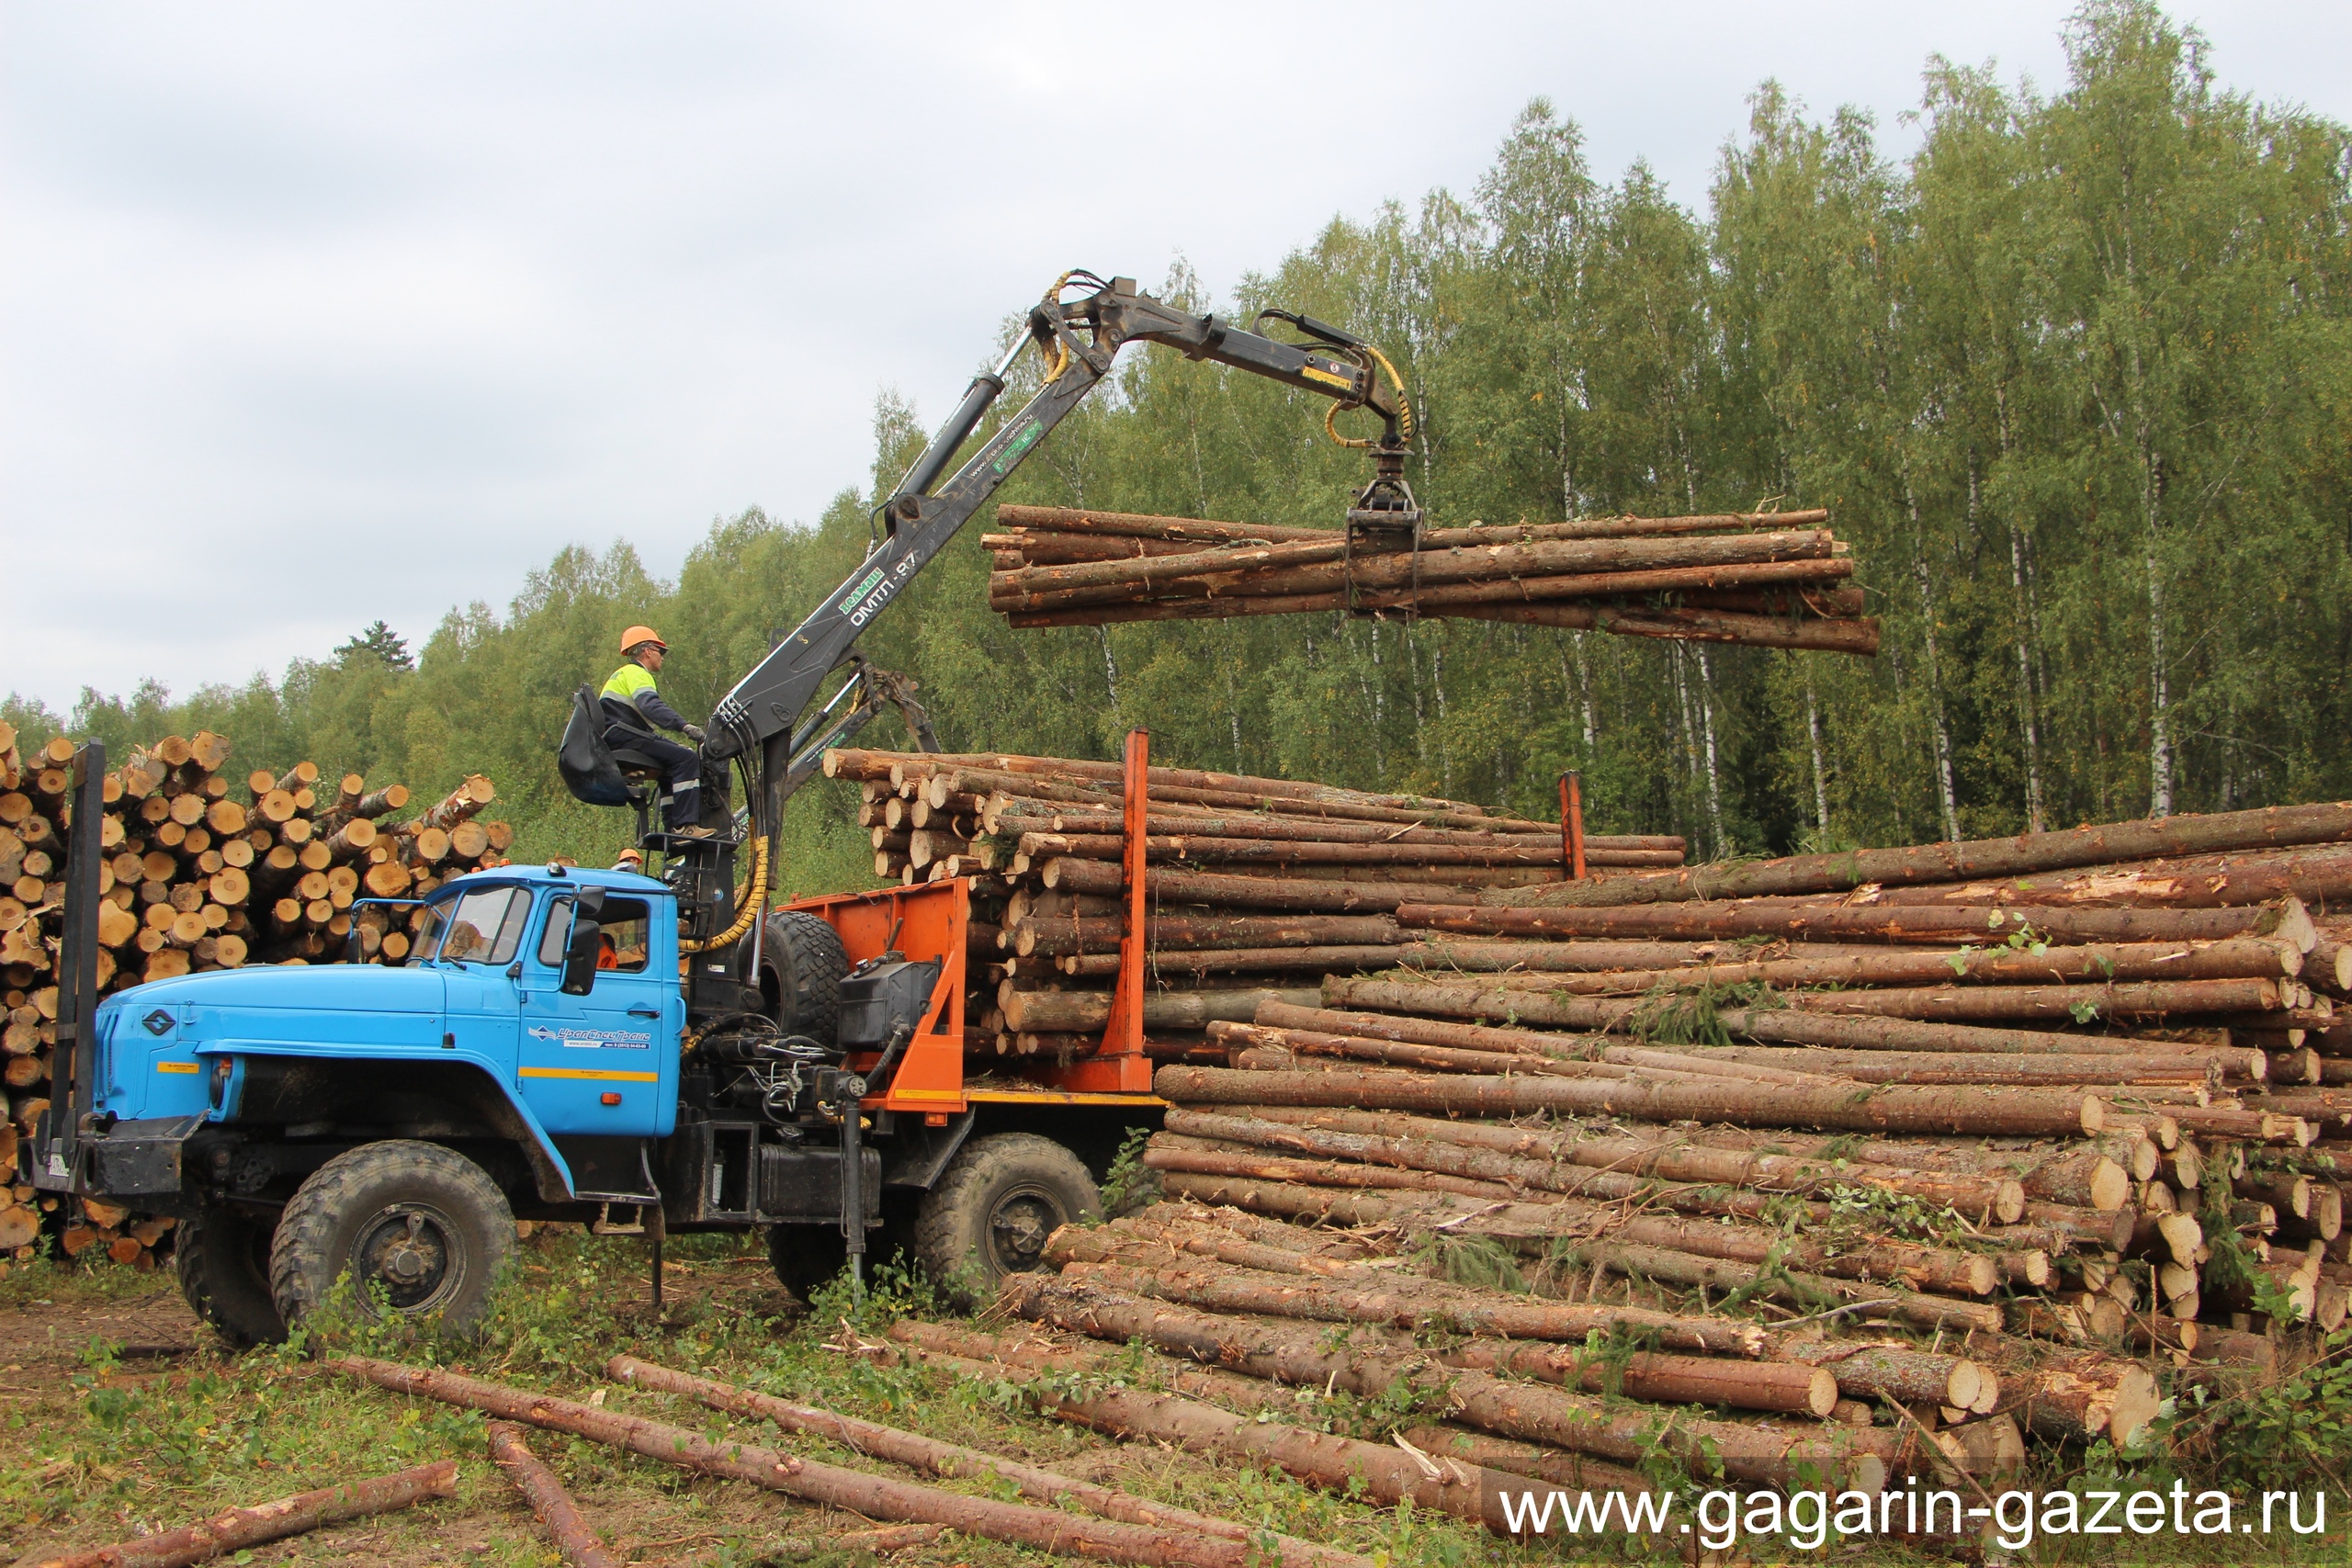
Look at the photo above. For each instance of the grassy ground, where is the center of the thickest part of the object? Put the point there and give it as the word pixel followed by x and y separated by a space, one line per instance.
pixel 119 1416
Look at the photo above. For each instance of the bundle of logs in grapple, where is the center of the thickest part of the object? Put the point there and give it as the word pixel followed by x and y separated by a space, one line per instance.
pixel 1250 882
pixel 1771 580
pixel 191 878
pixel 2006 1138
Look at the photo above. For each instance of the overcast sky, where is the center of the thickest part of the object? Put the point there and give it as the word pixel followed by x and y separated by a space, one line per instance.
pixel 313 314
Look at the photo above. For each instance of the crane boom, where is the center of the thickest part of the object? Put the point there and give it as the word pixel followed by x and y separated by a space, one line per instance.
pixel 759 722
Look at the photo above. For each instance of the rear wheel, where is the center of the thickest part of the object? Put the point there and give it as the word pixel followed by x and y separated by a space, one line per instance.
pixel 801 964
pixel 992 1212
pixel 421 1231
pixel 805 1257
pixel 221 1258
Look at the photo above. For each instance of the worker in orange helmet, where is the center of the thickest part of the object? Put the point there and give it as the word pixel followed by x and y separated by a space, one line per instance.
pixel 633 710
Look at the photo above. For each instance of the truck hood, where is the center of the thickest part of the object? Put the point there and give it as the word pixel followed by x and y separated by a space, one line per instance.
pixel 311 988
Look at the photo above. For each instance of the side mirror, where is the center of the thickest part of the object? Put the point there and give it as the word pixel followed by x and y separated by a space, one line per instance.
pixel 580 957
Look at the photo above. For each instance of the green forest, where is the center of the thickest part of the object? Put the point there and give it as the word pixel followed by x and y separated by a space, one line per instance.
pixel 2074 378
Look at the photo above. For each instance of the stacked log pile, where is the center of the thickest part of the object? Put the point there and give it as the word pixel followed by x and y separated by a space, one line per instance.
pixel 1252 885
pixel 2058 1105
pixel 1768 579
pixel 195 878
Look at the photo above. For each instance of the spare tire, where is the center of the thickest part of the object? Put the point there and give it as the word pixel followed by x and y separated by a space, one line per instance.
pixel 801 964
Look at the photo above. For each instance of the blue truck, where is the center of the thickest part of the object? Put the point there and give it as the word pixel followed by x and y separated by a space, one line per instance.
pixel 647 1054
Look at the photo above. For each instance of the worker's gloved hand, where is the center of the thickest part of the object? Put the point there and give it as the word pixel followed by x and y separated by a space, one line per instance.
pixel 696 733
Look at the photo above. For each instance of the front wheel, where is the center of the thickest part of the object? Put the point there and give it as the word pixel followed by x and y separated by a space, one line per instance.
pixel 221 1258
pixel 994 1207
pixel 419 1230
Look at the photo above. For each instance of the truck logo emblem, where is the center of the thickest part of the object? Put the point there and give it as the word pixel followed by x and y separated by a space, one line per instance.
pixel 158 1023
pixel 608 1039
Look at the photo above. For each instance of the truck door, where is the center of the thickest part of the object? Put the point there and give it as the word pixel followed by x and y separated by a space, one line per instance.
pixel 594 1065
pixel 479 936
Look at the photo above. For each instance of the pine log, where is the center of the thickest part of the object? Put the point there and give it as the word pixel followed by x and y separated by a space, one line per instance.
pixel 1301 961
pixel 1535 1228
pixel 1246 589
pixel 2081 1397
pixel 2000 1198
pixel 1900 1372
pixel 574 1538
pixel 1659 1378
pixel 1305 895
pixel 1346 1465
pixel 1205 848
pixel 1778 1027
pixel 1876 1108
pixel 2267 827
pixel 872 1496
pixel 1920 1268
pixel 1058 936
pixel 1007 815
pixel 2243 958
pixel 468 798
pixel 1573 1472
pixel 239 1528
pixel 1514 1409
pixel 1377 1296
pixel 950 1461
pixel 1078 1011
pixel 1859 636
pixel 1312 567
pixel 1021 769
pixel 1076 519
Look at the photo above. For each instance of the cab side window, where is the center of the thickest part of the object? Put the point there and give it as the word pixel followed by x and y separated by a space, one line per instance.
pixel 626 925
pixel 486 927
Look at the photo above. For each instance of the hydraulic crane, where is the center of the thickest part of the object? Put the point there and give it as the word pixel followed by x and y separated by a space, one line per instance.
pixel 759 722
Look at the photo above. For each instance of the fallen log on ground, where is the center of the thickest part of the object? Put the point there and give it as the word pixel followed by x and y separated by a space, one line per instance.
pixel 876 1497
pixel 574 1538
pixel 1344 1465
pixel 241 1527
pixel 952 1461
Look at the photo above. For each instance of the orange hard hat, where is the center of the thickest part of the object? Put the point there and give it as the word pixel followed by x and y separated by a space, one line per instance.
pixel 636 636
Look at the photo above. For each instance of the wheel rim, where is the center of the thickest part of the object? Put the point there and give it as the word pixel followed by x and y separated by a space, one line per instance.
pixel 1019 1223
pixel 413 1253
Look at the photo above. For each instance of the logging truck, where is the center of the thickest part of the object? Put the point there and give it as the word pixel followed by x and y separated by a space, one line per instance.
pixel 649 1053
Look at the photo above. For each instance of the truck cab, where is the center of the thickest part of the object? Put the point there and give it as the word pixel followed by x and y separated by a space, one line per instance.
pixel 534 1058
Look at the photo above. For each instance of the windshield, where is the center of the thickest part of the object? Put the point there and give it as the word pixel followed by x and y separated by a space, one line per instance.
pixel 484 926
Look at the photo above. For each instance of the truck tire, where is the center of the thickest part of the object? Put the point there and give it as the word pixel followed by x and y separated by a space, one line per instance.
pixel 801 965
pixel 424 1224
pixel 990 1211
pixel 221 1258
pixel 805 1257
